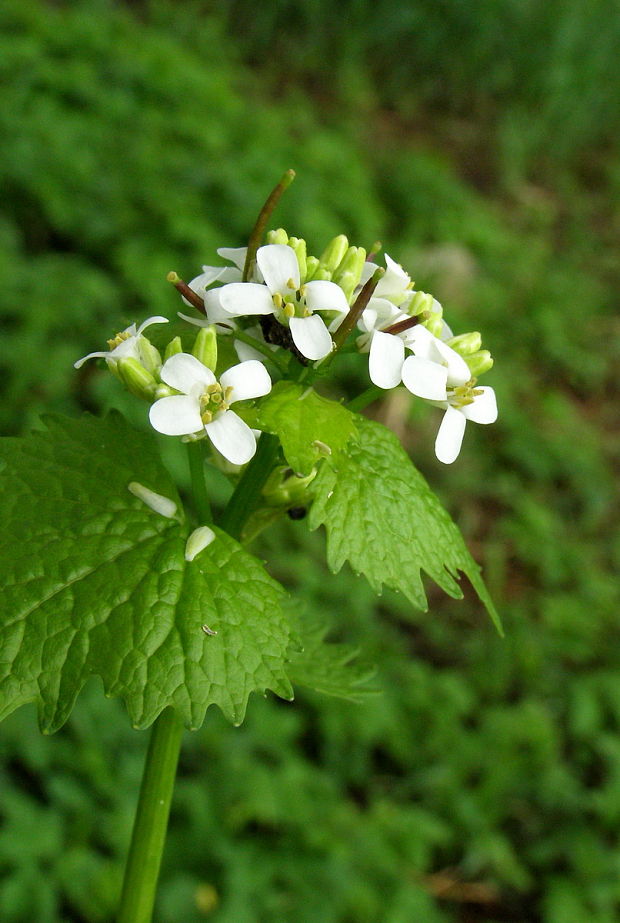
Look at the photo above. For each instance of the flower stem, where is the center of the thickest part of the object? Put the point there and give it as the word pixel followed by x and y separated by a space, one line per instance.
pixel 261 222
pixel 364 399
pixel 245 497
pixel 195 454
pixel 151 821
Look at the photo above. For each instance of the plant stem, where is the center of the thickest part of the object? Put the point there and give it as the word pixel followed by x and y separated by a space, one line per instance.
pixel 245 497
pixel 364 399
pixel 261 222
pixel 195 454
pixel 151 821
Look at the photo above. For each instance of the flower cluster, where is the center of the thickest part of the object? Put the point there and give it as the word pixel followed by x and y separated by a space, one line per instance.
pixel 287 310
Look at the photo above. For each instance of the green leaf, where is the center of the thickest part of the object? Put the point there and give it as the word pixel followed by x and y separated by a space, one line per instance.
pixel 96 582
pixel 332 669
pixel 381 516
pixel 309 426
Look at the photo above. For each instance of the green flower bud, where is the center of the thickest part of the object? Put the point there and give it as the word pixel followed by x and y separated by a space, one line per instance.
pixel 205 347
pixel 278 236
pixel 348 282
pixel 434 323
pixel 322 273
pixel 352 262
pixel 312 264
pixel 149 355
pixel 173 347
pixel 136 378
pixel 479 362
pixel 334 253
pixel 284 489
pixel 422 301
pixel 466 343
pixel 298 244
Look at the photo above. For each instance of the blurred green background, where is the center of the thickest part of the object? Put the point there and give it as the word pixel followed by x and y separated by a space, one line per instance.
pixel 479 142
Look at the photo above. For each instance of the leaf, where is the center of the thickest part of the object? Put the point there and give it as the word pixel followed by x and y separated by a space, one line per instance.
pixel 332 669
pixel 381 516
pixel 309 426
pixel 96 582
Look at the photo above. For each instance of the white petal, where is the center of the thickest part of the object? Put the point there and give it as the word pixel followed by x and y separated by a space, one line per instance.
pixel 395 280
pixel 213 307
pixel 386 360
pixel 484 408
pixel 184 372
pixel 156 319
pixel 248 379
pixel 199 539
pixel 98 355
pixel 178 415
pixel 368 270
pixel 425 379
pixel 458 370
pixel 232 437
pixel 368 320
pixel 427 346
pixel 279 266
pixel 241 298
pixel 126 349
pixel 325 296
pixel 197 321
pixel 311 336
pixel 450 436
pixel 209 275
pixel 235 255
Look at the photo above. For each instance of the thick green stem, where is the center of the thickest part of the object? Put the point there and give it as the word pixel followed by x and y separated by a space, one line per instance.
pixel 195 453
pixel 365 398
pixel 245 498
pixel 151 821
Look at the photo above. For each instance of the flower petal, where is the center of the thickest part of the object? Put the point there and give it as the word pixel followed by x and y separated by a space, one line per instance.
pixel 232 437
pixel 311 336
pixel 450 436
pixel 213 307
pixel 484 408
pixel 98 355
pixel 427 346
pixel 235 255
pixel 395 280
pixel 279 266
pixel 248 379
pixel 240 298
pixel 322 295
pixel 178 415
pixel 184 372
pixel 385 362
pixel 156 319
pixel 425 379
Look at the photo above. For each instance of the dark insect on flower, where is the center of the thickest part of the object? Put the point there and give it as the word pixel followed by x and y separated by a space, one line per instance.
pixel 297 512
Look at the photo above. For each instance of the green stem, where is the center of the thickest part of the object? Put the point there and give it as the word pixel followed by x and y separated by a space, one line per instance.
pixel 262 348
pixel 261 222
pixel 195 453
pixel 364 399
pixel 151 821
pixel 245 497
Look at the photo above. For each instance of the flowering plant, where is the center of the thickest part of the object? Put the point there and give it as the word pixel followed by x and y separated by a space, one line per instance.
pixel 162 599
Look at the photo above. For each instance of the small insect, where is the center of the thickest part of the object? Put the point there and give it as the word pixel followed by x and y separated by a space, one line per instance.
pixel 297 512
pixel 208 631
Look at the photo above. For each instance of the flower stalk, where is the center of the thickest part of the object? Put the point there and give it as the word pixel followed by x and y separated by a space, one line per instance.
pixel 261 222
pixel 151 822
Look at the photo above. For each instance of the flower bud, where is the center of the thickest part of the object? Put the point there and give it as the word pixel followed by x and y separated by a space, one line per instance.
pixel 173 347
pixel 420 302
pixel 323 274
pixel 198 541
pixel 149 355
pixel 479 362
pixel 205 347
pixel 466 343
pixel 312 264
pixel 334 253
pixel 352 262
pixel 434 323
pixel 348 282
pixel 278 236
pixel 136 377
pixel 298 244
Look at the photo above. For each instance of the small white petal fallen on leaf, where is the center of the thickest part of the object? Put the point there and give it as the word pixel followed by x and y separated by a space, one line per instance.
pixel 162 505
pixel 198 541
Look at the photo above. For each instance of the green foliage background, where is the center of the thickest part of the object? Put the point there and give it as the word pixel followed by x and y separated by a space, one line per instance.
pixel 479 142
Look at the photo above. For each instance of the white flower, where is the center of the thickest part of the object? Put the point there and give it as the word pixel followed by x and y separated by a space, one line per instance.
pixel 395 285
pixel 203 403
pixel 438 374
pixel 126 344
pixel 210 274
pixel 282 295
